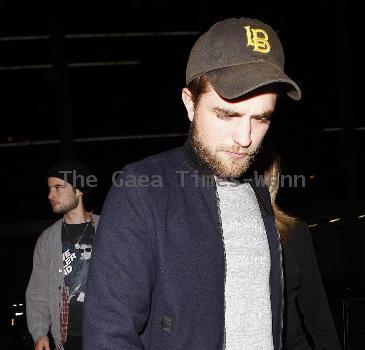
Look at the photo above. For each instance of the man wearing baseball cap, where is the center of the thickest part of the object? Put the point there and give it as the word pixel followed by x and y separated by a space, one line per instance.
pixel 194 262
pixel 56 290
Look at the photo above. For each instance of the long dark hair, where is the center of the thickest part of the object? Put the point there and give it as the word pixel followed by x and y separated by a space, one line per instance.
pixel 269 164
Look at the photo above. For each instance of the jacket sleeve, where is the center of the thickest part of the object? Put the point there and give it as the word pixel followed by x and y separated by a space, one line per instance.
pixel 37 301
pixel 312 297
pixel 121 275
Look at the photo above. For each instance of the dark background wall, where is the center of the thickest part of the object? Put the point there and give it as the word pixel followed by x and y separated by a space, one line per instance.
pixel 102 83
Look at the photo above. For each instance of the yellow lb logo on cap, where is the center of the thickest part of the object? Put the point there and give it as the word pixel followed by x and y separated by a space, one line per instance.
pixel 258 38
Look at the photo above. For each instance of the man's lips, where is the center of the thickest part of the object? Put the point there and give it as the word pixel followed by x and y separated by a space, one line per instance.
pixel 236 155
pixel 53 203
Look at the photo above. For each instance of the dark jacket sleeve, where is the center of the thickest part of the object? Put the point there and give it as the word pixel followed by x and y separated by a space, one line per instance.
pixel 121 276
pixel 312 298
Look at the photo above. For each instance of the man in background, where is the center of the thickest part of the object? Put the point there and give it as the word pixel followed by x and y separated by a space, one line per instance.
pixel 56 290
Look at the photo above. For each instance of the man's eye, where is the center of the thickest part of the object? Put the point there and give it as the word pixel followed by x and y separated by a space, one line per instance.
pixel 263 119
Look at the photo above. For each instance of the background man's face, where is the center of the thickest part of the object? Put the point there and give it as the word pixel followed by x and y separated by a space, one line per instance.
pixel 228 134
pixel 61 195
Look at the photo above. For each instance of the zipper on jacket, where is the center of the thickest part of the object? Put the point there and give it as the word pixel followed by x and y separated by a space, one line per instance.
pixel 225 260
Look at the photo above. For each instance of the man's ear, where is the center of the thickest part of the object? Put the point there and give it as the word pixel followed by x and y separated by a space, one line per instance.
pixel 188 102
pixel 79 193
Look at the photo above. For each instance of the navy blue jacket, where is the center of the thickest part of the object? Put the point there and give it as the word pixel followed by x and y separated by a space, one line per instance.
pixel 157 275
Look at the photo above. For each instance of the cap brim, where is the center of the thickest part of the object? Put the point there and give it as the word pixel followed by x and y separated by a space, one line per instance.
pixel 235 81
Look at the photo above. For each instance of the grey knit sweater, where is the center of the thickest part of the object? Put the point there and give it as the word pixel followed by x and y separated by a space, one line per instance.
pixel 247 291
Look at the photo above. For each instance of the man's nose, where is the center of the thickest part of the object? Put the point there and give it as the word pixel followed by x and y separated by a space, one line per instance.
pixel 242 132
pixel 51 195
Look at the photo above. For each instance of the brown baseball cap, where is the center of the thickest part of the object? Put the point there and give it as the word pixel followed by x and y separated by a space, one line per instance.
pixel 239 55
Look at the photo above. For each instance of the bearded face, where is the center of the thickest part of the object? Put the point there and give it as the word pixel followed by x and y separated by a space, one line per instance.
pixel 67 205
pixel 224 161
pixel 228 135
pixel 62 196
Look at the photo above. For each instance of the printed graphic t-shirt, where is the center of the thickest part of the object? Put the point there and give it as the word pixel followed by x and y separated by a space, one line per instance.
pixel 77 240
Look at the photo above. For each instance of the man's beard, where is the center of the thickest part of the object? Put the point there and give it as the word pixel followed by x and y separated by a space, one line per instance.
pixel 65 208
pixel 221 166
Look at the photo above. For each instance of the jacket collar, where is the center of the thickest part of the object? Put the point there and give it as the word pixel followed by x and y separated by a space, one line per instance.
pixel 194 160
